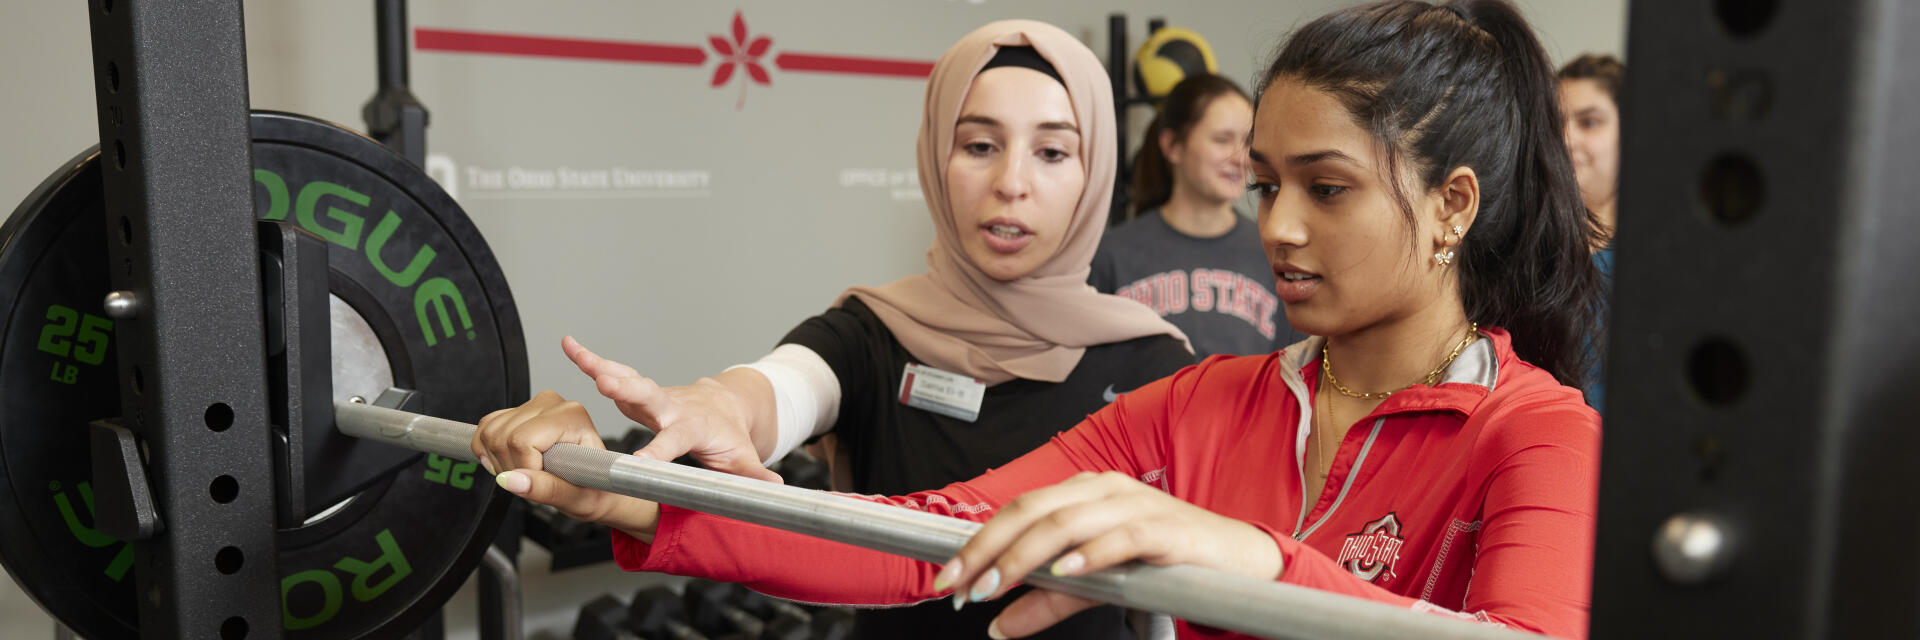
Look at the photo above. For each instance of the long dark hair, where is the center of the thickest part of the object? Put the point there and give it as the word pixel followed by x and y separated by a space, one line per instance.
pixel 1465 83
pixel 1184 106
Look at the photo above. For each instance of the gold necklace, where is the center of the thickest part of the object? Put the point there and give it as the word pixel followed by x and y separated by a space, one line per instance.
pixel 1326 364
pixel 1319 438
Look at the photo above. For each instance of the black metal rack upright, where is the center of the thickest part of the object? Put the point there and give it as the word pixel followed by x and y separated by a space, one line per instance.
pixel 1761 359
pixel 394 116
pixel 1118 63
pixel 171 86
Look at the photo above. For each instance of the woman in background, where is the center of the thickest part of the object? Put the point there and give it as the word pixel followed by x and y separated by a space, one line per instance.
pixel 1590 103
pixel 1428 449
pixel 1188 254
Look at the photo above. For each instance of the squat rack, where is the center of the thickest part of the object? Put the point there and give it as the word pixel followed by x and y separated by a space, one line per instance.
pixel 178 195
pixel 1714 394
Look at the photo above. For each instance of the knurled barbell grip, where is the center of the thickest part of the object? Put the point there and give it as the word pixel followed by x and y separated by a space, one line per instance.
pixel 1196 594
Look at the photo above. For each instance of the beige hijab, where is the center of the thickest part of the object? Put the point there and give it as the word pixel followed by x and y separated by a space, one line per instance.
pixel 956 318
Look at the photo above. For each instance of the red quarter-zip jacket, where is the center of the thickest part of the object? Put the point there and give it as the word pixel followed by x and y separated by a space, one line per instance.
pixel 1471 498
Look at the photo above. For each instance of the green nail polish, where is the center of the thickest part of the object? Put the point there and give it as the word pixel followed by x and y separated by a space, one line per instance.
pixel 1068 564
pixel 946 576
pixel 988 583
pixel 513 482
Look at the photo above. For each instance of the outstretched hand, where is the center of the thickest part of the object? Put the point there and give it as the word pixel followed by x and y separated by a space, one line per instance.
pixel 706 419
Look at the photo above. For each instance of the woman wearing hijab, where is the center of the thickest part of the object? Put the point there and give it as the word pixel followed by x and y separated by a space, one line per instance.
pixel 998 347
pixel 1427 449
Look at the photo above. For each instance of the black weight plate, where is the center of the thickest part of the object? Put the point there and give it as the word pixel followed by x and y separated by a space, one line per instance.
pixel 388 558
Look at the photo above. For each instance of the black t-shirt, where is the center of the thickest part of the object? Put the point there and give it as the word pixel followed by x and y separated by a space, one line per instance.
pixel 895 449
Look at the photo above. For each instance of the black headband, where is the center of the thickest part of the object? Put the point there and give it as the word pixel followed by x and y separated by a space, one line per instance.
pixel 1026 58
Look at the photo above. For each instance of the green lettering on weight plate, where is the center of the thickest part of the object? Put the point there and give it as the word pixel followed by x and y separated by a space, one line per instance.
pixel 348 235
pixel 276 194
pixel 437 293
pixel 458 475
pixel 330 599
pixel 362 586
pixel 390 557
pixel 378 240
pixel 89 536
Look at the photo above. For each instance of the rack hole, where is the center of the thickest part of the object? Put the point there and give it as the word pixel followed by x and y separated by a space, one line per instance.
pixel 1718 371
pixel 1745 18
pixel 219 416
pixel 229 560
pixel 224 489
pixel 235 628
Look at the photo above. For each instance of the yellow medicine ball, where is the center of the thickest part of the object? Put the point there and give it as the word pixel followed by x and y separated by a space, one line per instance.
pixel 1169 56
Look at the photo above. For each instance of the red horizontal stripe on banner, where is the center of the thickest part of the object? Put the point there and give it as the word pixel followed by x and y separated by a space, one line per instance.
pixel 475 42
pixel 852 65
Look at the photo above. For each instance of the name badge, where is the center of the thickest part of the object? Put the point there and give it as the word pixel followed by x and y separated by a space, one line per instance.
pixel 948 394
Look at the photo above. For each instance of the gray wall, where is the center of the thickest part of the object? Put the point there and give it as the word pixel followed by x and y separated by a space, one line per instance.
pixel 805 189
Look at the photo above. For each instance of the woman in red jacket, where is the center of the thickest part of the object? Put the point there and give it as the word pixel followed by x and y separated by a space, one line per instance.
pixel 1429 449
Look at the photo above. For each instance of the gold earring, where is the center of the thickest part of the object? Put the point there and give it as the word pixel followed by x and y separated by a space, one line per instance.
pixel 1445 256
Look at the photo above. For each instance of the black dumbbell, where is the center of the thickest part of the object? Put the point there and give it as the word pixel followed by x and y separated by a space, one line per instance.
pixel 785 626
pixel 718 607
pixel 603 618
pixel 832 624
pixel 633 440
pixel 658 613
pixel 805 471
pixel 560 529
pixel 785 620
pixel 637 438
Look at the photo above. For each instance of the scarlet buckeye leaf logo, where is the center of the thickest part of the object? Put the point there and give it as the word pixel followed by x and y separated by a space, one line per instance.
pixel 738 51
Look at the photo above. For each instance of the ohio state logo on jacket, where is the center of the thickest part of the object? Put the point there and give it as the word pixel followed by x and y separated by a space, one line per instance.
pixel 1371 553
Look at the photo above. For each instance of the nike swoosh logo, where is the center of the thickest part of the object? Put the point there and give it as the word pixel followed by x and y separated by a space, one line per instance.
pixel 1109 395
